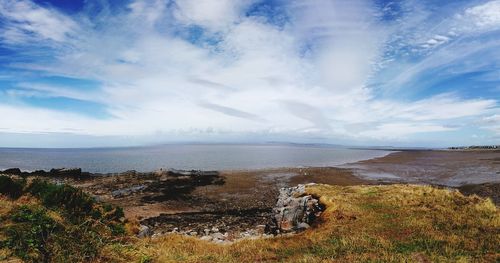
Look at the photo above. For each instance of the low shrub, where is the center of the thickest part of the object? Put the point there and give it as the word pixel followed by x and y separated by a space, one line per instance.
pixel 64 225
pixel 75 203
pixel 11 187
pixel 29 233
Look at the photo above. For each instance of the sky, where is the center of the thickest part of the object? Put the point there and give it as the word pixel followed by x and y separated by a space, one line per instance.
pixel 90 73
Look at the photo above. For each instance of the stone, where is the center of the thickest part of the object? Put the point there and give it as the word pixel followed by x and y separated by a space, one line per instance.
pixel 66 172
pixel 260 229
pixel 294 210
pixel 206 238
pixel 218 235
pixel 127 191
pixel 303 226
pixel 39 173
pixel 12 171
pixel 144 231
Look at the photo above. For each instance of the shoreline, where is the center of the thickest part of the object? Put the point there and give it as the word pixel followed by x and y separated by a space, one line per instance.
pixel 186 157
pixel 240 200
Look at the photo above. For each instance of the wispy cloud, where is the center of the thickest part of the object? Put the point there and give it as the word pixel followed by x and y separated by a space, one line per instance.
pixel 341 71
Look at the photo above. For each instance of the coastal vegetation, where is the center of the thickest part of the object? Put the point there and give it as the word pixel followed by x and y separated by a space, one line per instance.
pixel 389 223
pixel 45 222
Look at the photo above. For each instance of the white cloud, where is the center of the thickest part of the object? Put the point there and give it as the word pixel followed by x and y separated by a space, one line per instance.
pixel 305 79
pixel 27 18
pixel 212 14
pixel 491 122
pixel 485 15
pixel 401 130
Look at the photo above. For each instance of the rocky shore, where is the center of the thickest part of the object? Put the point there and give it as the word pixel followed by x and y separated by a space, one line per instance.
pixel 188 202
pixel 231 205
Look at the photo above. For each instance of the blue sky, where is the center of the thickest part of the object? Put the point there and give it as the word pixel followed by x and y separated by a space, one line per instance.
pixel 112 73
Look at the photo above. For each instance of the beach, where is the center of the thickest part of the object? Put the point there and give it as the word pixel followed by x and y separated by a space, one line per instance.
pixel 238 200
pixel 231 207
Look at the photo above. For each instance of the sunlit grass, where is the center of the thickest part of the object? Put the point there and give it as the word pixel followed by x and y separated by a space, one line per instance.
pixel 361 223
pixel 392 223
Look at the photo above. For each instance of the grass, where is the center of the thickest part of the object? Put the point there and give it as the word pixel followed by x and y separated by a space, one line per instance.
pixel 56 223
pixel 392 223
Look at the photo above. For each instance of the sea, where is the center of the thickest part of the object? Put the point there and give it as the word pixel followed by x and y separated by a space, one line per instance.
pixel 184 156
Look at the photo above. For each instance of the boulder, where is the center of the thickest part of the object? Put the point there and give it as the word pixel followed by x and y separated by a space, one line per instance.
pixel 38 173
pixel 66 172
pixel 144 231
pixel 294 210
pixel 12 171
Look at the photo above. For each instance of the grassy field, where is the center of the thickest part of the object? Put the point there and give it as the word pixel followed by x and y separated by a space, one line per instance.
pixel 390 223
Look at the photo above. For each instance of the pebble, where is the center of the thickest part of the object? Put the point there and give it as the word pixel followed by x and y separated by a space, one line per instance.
pixel 218 236
pixel 206 238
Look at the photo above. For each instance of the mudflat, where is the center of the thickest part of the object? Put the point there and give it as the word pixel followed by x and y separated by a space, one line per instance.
pixel 449 168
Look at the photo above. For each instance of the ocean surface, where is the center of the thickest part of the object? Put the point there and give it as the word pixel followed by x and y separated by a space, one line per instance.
pixel 188 156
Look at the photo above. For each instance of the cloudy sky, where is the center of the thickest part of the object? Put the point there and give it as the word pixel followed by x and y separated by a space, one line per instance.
pixel 103 72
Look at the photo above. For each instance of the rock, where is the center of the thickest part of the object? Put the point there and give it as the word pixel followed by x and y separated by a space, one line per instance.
pixel 218 241
pixel 127 191
pixel 176 183
pixel 303 226
pixel 294 210
pixel 144 231
pixel 193 233
pixel 39 173
pixel 260 229
pixel 12 171
pixel 206 238
pixel 218 236
pixel 67 172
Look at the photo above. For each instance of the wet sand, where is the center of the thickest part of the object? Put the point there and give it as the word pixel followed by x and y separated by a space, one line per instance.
pixel 256 190
pixel 448 168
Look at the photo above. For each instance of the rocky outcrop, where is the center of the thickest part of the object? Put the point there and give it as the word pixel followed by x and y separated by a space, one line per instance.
pixel 12 171
pixel 294 210
pixel 75 173
pixel 66 172
pixel 177 183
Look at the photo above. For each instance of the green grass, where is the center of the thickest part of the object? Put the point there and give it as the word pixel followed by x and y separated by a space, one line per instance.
pixel 58 223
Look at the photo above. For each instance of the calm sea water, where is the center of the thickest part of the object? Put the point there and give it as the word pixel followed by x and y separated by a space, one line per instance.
pixel 204 157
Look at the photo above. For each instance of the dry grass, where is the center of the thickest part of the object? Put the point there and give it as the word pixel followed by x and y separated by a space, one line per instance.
pixel 394 223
